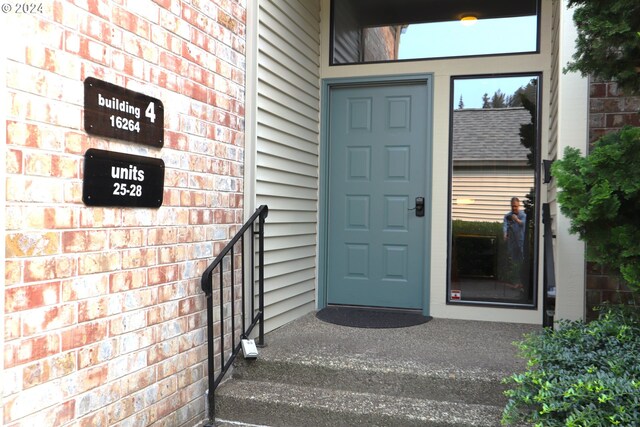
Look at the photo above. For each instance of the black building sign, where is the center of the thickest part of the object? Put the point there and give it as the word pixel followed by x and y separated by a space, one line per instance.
pixel 116 112
pixel 118 179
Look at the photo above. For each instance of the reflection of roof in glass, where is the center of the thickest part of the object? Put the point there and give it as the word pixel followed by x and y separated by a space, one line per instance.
pixel 489 134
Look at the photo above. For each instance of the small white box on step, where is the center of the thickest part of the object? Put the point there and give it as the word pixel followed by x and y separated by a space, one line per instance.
pixel 249 349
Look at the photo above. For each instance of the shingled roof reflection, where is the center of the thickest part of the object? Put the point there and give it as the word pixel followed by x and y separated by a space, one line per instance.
pixel 481 134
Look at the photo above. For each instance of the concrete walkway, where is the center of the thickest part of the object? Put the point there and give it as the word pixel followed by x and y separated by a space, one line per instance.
pixel 441 373
pixel 437 344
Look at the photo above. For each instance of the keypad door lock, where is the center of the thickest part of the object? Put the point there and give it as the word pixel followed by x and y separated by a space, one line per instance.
pixel 419 206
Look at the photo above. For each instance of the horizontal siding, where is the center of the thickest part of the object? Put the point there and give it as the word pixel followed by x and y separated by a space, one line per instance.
pixel 491 194
pixel 554 81
pixel 556 72
pixel 346 44
pixel 287 153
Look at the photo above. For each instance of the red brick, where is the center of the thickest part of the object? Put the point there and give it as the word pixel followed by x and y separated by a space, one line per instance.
pixel 49 268
pixel 126 238
pixel 193 17
pixel 172 63
pixel 97 28
pixel 138 380
pixel 87 48
pixel 23 134
pixel 99 7
pixel 96 419
pixel 57 415
pixel 14 161
pixel 598 90
pixel 127 322
pixel 23 351
pixel 66 14
pixel 162 236
pixel 165 4
pixel 191 305
pixel 32 244
pixel 99 217
pixel 84 241
pixel 85 287
pixel 97 308
pixel 131 22
pixel 136 258
pixel 31 296
pixel 163 350
pixel 94 354
pixel 48 319
pixel 49 369
pixel 167 406
pixel 12 272
pixel 226 20
pixel 162 274
pixel 124 408
pixel 137 340
pixel 12 327
pixel 126 280
pixel 82 335
pixel 99 262
pixel 139 298
pixel 90 378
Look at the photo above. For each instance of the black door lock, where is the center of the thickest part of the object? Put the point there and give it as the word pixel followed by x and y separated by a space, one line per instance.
pixel 419 206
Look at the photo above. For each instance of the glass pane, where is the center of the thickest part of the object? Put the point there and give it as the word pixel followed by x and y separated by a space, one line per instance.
pixel 481 37
pixel 381 31
pixel 493 187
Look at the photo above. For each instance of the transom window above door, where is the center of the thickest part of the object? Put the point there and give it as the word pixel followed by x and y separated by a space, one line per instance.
pixel 365 31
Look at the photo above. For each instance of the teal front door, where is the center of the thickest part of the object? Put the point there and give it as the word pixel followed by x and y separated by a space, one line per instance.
pixel 378 171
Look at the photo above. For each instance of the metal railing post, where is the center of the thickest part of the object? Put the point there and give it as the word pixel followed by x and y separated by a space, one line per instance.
pixel 257 319
pixel 210 361
pixel 549 280
pixel 261 278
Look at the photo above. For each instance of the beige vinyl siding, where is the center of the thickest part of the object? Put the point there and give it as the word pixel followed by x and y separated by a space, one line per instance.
pixel 347 41
pixel 287 132
pixel 556 73
pixel 490 193
pixel 554 80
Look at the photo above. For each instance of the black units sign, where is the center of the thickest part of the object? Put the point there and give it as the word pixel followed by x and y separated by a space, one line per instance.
pixel 116 112
pixel 118 179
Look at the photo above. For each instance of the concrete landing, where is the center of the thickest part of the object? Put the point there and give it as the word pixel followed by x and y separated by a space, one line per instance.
pixel 441 373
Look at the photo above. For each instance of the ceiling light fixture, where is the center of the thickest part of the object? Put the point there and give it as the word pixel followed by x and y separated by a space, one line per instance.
pixel 468 20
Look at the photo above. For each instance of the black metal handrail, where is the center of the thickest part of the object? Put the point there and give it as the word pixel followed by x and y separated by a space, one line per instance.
pixel 257 315
pixel 549 282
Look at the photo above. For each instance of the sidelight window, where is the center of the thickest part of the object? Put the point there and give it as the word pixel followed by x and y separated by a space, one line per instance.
pixel 494 190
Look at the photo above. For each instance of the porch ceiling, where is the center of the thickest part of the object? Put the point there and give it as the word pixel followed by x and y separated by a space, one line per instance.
pixel 400 12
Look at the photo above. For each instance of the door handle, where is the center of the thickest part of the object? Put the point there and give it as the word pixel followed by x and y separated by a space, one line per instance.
pixel 419 206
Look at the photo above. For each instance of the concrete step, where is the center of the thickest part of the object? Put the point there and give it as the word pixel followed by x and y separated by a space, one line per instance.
pixel 442 373
pixel 278 404
pixel 394 378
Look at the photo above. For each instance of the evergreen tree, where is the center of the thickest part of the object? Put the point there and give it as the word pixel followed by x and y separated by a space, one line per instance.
pixel 529 91
pixel 460 103
pixel 486 103
pixel 498 100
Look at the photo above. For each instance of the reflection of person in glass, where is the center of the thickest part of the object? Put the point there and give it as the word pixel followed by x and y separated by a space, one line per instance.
pixel 513 228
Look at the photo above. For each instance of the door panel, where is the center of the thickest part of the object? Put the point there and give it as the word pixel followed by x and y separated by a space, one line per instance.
pixel 377 166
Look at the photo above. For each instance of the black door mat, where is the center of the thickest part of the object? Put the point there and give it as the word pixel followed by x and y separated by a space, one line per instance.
pixel 358 317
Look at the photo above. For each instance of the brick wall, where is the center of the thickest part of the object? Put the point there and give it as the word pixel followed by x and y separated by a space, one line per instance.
pixel 380 43
pixel 104 320
pixel 609 110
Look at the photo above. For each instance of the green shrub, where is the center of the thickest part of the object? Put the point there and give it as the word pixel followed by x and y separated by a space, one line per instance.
pixel 580 374
pixel 608 43
pixel 600 194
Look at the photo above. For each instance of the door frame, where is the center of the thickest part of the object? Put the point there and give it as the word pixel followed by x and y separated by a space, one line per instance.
pixel 323 208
